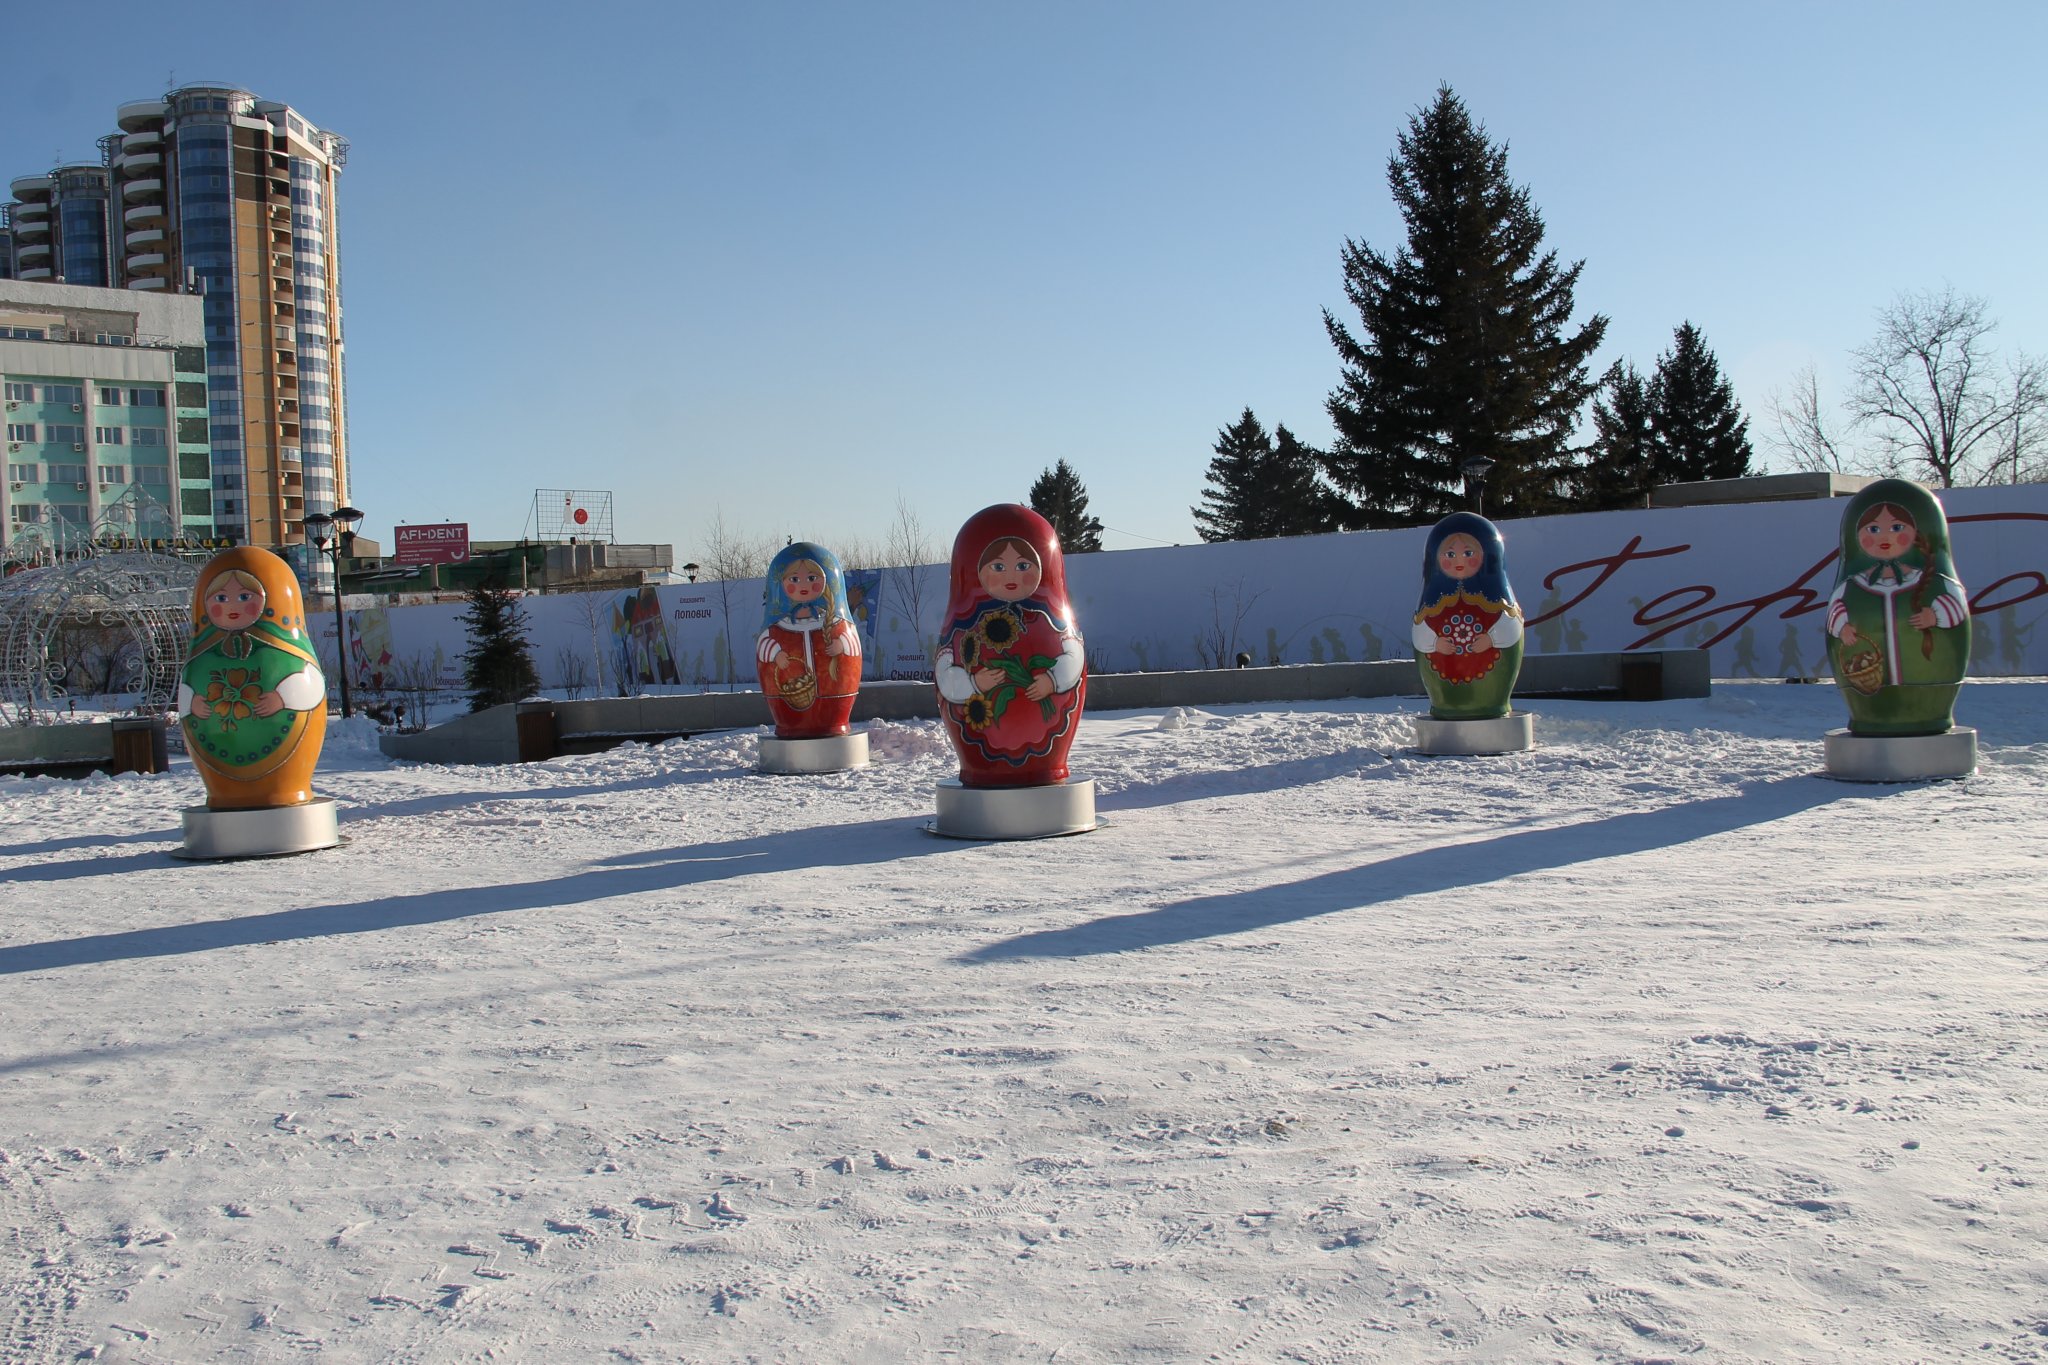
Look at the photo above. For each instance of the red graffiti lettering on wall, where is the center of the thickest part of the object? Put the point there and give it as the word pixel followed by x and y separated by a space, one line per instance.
pixel 1694 603
pixel 1608 565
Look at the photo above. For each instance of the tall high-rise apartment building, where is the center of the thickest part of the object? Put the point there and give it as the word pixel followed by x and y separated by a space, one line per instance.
pixel 211 190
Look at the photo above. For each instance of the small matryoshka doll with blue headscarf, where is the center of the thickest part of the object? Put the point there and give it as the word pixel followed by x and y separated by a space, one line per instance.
pixel 252 701
pixel 1898 620
pixel 808 651
pixel 1468 630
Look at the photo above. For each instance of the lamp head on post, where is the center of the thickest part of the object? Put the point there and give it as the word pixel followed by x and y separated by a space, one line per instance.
pixel 1474 470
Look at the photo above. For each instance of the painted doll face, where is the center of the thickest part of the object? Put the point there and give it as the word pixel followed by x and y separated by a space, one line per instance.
pixel 1886 533
pixel 805 582
pixel 232 604
pixel 1009 571
pixel 1459 556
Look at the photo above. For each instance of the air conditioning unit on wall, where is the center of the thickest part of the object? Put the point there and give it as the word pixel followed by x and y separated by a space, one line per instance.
pixel 78 407
pixel 81 488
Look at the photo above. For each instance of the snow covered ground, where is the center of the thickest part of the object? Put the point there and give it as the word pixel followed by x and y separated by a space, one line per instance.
pixel 1649 1045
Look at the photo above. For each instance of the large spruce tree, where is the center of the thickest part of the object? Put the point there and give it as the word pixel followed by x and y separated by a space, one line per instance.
pixel 1466 346
pixel 498 665
pixel 1059 497
pixel 1696 427
pixel 1230 507
pixel 1621 466
pixel 1263 485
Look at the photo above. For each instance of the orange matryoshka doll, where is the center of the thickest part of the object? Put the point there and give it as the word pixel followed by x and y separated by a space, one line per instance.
pixel 1011 671
pixel 808 652
pixel 252 701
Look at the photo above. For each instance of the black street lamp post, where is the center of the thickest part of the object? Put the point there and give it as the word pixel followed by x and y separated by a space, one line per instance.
pixel 329 533
pixel 1474 471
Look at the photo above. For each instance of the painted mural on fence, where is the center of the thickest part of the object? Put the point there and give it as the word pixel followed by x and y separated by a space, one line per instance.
pixel 1749 583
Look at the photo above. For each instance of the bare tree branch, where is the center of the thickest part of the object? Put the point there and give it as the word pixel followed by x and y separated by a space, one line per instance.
pixel 1928 390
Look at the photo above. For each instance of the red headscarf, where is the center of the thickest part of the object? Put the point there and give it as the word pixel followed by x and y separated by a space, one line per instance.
pixel 1007 521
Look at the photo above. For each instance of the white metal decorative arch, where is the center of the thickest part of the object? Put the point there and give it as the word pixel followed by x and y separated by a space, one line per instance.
pixel 135 606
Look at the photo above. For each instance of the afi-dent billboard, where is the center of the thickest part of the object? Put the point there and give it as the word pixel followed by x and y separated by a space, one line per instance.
pixel 443 543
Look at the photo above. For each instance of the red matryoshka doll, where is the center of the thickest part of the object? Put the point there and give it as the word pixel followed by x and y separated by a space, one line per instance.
pixel 1010 670
pixel 808 652
pixel 252 700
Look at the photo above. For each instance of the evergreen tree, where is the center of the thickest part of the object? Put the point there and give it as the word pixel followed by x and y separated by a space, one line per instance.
pixel 1698 430
pixel 1059 497
pixel 1261 485
pixel 1232 501
pixel 498 665
pixel 1302 504
pixel 1622 464
pixel 1465 347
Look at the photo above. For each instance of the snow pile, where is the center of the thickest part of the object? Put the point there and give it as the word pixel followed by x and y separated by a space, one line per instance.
pixel 1648 1044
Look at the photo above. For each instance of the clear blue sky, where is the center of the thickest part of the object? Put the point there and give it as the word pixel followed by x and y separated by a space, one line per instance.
pixel 791 261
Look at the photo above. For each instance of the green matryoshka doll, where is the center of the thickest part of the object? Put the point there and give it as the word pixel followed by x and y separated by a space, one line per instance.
pixel 252 701
pixel 1468 629
pixel 1898 621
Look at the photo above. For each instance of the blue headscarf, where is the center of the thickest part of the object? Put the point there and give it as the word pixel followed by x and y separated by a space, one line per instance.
pixel 830 607
pixel 1490 583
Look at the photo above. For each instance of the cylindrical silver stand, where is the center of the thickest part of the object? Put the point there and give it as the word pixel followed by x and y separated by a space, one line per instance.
pixel 1900 758
pixel 1015 812
pixel 265 833
pixel 830 754
pixel 1508 734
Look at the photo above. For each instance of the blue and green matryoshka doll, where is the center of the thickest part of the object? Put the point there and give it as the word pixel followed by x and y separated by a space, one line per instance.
pixel 251 700
pixel 1468 630
pixel 1898 620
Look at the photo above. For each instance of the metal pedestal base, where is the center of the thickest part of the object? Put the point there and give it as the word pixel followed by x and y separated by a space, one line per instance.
pixel 831 754
pixel 1508 734
pixel 212 834
pixel 1015 812
pixel 1901 758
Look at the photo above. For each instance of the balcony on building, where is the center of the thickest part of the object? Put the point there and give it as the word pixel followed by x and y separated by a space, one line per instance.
pixel 147 237
pixel 137 115
pixel 29 188
pixel 149 281
pixel 133 190
pixel 24 253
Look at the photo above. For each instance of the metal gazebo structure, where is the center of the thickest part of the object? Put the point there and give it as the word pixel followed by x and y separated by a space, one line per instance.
pixel 126 615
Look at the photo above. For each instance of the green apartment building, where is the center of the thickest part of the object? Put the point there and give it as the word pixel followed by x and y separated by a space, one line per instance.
pixel 105 409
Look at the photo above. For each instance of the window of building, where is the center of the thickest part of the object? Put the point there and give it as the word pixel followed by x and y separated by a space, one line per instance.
pixel 21 393
pixel 23 473
pixel 196 502
pixel 145 398
pixel 227 509
pixel 147 436
pixel 114 339
pixel 57 435
pixel 21 431
pixel 63 393
pixel 227 481
pixel 113 473
pixel 21 514
pixel 152 473
pixel 67 473
pixel 110 397
pixel 24 333
pixel 110 436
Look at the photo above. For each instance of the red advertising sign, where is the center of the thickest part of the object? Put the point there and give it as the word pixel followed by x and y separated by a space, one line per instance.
pixel 444 543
